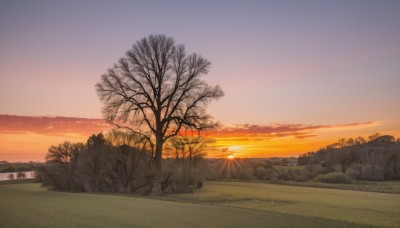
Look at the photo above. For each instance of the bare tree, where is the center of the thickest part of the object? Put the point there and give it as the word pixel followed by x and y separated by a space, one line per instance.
pixel 342 142
pixel 130 153
pixel 195 147
pixel 374 136
pixel 176 146
pixel 63 155
pixel 60 154
pixel 121 138
pixel 156 91
pixel 360 140
pixel 188 147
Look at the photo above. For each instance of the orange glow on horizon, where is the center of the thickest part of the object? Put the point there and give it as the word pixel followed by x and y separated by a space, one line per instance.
pixel 28 138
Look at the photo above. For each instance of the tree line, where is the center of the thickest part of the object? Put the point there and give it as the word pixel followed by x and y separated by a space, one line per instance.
pixel 377 158
pixel 122 162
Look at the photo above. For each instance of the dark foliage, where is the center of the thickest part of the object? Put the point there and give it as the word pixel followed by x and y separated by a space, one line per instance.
pixel 118 162
pixel 377 159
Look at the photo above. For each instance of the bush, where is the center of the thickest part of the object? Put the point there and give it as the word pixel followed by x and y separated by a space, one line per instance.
pixel 261 172
pixel 8 170
pixel 315 170
pixel 294 174
pixel 335 178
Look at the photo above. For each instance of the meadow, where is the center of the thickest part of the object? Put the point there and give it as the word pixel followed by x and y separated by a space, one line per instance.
pixel 217 204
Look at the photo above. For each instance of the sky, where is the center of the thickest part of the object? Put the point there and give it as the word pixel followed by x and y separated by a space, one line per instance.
pixel 297 75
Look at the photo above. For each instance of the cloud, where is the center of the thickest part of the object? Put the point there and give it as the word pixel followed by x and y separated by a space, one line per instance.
pixel 45 125
pixel 267 131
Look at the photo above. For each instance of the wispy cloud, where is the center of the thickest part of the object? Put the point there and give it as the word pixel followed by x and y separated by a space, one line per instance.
pixel 299 131
pixel 45 125
pixel 241 139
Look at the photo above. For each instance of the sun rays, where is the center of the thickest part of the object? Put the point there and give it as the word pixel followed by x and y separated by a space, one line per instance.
pixel 229 167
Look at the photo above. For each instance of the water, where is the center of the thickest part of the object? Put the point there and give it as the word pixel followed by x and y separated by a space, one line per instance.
pixel 28 175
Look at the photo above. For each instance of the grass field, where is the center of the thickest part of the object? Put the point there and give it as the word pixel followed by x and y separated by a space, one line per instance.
pixel 367 186
pixel 218 204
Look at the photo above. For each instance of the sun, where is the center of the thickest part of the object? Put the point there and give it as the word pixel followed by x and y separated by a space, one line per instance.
pixel 230 156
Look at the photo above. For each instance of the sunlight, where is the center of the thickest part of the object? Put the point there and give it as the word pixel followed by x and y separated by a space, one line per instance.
pixel 235 148
pixel 231 156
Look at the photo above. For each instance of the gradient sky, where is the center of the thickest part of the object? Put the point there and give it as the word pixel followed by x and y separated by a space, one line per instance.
pixel 324 69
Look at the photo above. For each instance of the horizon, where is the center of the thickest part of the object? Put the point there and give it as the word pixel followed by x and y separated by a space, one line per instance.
pixel 296 76
pixel 235 140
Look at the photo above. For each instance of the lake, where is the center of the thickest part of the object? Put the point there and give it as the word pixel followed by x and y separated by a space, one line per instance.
pixel 28 175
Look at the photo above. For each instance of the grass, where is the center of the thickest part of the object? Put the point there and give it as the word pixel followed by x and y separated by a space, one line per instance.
pixel 367 186
pixel 217 204
pixel 367 208
pixel 17 181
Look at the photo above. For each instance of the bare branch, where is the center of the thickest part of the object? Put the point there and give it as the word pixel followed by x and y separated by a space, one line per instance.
pixel 156 90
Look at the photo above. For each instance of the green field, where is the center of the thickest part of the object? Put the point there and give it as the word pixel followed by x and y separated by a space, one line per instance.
pixel 217 204
pixel 367 186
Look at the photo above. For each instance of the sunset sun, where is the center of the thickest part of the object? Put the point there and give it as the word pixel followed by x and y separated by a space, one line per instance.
pixel 230 156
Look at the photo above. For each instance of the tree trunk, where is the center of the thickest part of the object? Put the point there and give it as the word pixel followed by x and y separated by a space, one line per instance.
pixel 190 162
pixel 156 190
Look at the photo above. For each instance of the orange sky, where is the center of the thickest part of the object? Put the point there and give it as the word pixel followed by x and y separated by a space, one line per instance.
pixel 328 69
pixel 24 138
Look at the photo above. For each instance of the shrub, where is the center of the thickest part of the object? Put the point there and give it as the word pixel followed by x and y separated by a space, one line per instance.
pixel 8 170
pixel 294 174
pixel 261 172
pixel 315 170
pixel 335 178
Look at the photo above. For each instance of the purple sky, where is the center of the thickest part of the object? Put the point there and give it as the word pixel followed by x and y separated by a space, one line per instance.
pixel 310 62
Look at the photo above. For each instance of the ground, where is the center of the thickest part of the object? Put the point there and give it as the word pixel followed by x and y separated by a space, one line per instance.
pixel 217 204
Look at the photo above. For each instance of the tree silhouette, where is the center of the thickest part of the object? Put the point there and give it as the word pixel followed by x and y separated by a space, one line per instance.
pixel 63 155
pixel 93 158
pixel 188 147
pixel 156 91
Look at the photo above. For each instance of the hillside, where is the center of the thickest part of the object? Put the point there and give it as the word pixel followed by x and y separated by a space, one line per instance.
pixel 378 159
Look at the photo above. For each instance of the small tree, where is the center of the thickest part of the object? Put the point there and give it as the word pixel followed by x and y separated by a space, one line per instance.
pixel 189 148
pixel 64 156
pixel 374 136
pixel 156 91
pixel 21 175
pixel 360 140
pixel 93 160
pixel 11 176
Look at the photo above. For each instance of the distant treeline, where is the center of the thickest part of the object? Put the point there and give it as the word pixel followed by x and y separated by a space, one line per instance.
pixel 8 167
pixel 122 162
pixel 377 158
